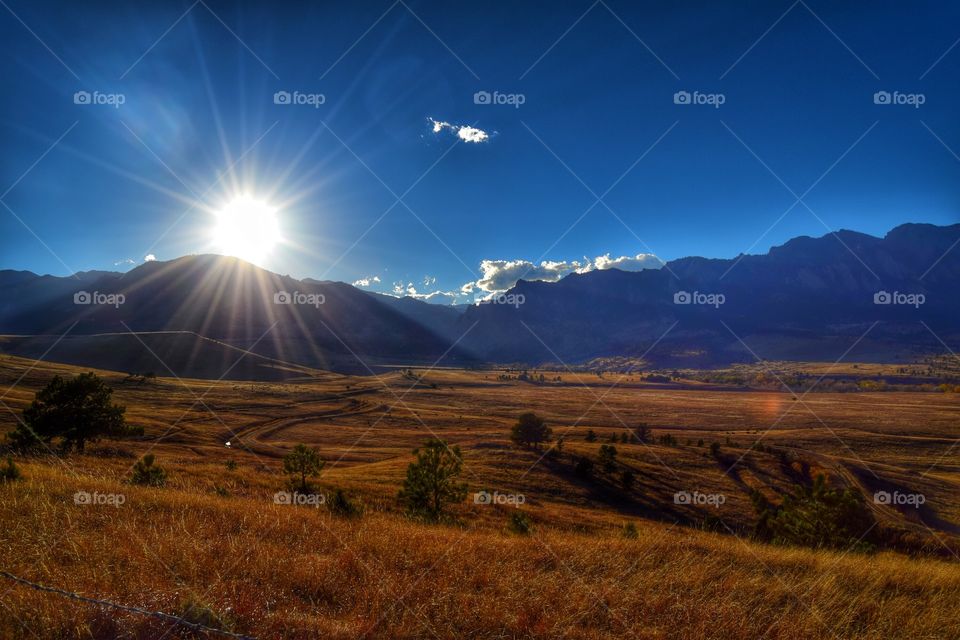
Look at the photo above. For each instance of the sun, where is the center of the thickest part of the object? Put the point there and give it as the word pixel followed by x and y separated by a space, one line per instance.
pixel 246 228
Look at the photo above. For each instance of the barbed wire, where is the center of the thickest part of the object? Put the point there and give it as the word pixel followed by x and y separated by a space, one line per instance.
pixel 113 605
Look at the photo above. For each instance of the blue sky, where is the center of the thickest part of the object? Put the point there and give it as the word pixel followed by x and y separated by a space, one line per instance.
pixel 101 186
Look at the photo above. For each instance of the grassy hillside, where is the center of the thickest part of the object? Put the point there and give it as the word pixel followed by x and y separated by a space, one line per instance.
pixel 214 547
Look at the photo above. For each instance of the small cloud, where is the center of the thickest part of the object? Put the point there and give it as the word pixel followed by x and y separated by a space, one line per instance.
pixel 366 282
pixel 462 131
pixel 124 261
pixel 149 258
pixel 429 280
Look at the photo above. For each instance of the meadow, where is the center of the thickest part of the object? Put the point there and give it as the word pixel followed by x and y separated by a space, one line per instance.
pixel 214 547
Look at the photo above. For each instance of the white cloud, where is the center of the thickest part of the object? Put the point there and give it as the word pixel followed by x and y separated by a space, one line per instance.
pixel 500 275
pixel 124 261
pixel 149 258
pixel 429 280
pixel 366 282
pixel 462 131
pixel 408 290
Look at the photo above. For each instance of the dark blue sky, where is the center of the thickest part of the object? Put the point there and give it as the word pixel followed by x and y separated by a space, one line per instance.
pixel 598 90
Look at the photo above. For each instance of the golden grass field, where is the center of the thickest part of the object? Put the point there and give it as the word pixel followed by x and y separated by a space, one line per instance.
pixel 214 537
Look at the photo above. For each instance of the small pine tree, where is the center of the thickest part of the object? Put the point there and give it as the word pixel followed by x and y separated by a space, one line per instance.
pixel 146 474
pixel 608 457
pixel 76 410
pixel 627 479
pixel 530 430
pixel 305 463
pixel 431 481
pixel 591 436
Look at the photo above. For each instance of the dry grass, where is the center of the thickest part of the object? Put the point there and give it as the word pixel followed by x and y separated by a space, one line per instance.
pixel 279 571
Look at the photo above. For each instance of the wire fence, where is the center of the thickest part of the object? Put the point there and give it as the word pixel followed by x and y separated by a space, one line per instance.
pixel 113 605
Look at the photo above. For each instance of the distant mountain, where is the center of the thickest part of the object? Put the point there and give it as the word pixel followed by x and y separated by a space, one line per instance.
pixel 325 325
pixel 811 298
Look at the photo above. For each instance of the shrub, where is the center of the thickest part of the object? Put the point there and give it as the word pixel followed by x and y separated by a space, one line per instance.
pixel 816 516
pixel 591 436
pixel 342 505
pixel 432 480
pixel 76 410
pixel 584 467
pixel 629 531
pixel 305 463
pixel 519 523
pixel 147 474
pixel 196 612
pixel 627 479
pixel 608 457
pixel 530 430
pixel 231 465
pixel 9 471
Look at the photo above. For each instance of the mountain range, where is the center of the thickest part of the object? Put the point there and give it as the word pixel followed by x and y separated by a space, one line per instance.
pixel 845 294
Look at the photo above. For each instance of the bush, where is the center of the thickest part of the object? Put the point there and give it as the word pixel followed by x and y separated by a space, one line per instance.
pixel 305 463
pixel 530 430
pixel 9 471
pixel 816 516
pixel 520 523
pixel 340 504
pixel 630 532
pixel 627 479
pixel 584 467
pixel 591 436
pixel 76 410
pixel 431 481
pixel 608 457
pixel 146 474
